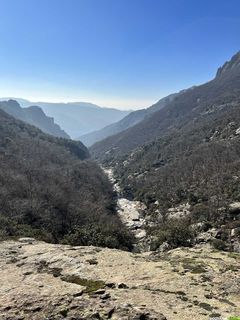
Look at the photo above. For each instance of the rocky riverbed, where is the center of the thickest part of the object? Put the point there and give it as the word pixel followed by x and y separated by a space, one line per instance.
pixel 47 281
pixel 131 212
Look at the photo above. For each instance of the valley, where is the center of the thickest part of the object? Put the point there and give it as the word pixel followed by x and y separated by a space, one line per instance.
pixel 145 224
pixel 184 155
pixel 51 190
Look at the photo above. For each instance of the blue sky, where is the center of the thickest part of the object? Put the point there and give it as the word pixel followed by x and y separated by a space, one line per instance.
pixel 120 53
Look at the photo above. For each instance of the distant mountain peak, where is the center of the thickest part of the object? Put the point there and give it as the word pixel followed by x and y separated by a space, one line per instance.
pixel 13 102
pixel 36 109
pixel 233 64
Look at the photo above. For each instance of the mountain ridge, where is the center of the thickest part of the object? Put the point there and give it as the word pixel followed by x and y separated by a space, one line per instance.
pixel 33 115
pixel 78 118
pixel 128 121
pixel 189 104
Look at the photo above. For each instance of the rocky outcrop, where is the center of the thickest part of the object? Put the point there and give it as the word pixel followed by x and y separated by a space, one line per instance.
pixel 179 212
pixel 231 65
pixel 46 281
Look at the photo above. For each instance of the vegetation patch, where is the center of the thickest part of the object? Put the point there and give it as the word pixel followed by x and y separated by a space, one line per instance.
pixel 193 266
pixel 89 284
pixel 206 306
pixel 206 278
pixel 227 302
pixel 219 244
pixel 174 233
pixel 64 312
pixel 214 315
pixel 234 255
pixel 232 268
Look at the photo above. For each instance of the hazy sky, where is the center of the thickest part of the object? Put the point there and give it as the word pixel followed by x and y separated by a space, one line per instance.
pixel 119 53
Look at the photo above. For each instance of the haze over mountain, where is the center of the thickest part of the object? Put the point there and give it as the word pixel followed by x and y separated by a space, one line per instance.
pixel 35 116
pixel 78 118
pixel 128 121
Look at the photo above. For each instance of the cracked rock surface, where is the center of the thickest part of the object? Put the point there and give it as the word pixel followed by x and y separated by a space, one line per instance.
pixel 48 281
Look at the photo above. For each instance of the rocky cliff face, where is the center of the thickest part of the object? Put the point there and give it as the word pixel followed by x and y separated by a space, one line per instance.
pixel 46 281
pixel 231 65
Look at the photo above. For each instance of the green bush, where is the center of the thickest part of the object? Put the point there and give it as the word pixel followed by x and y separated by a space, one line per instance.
pixel 177 233
pixel 219 244
pixel 107 234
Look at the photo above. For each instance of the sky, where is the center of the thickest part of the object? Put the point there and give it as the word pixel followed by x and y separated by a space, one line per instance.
pixel 115 53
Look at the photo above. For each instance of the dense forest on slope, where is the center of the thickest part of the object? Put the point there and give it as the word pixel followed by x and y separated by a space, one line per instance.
pixel 35 116
pixel 49 189
pixel 194 164
pixel 198 166
pixel 186 154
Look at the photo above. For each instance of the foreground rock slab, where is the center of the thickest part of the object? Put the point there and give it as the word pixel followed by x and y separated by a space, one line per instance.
pixel 46 281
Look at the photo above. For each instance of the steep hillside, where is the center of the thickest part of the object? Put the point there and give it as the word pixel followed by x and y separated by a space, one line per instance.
pixel 34 116
pixel 49 189
pixel 192 103
pixel 129 121
pixel 79 118
pixel 183 162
